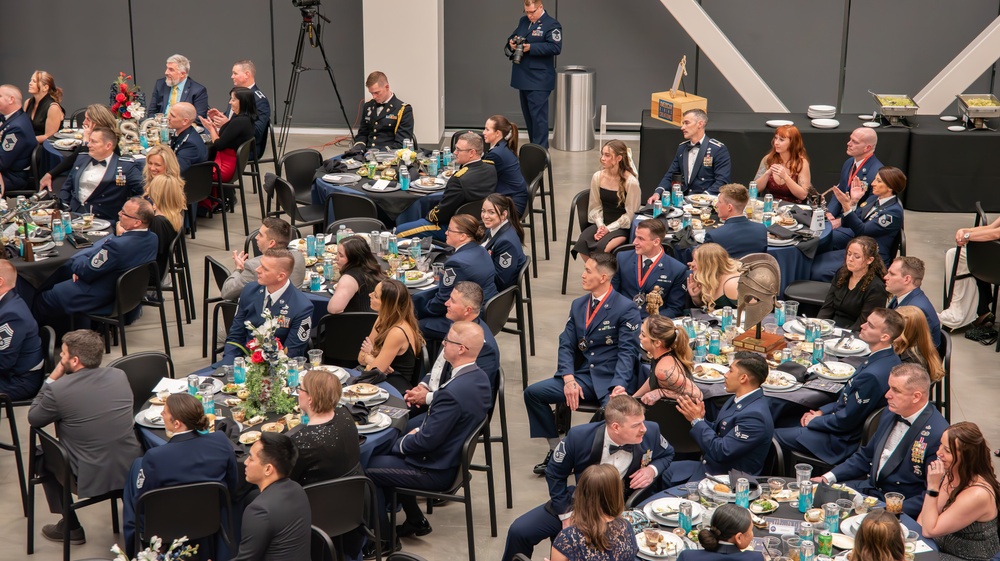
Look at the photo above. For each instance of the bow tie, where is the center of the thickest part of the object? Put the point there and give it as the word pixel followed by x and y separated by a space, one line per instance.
pixel 695 145
pixel 623 448
pixel 904 421
pixel 97 162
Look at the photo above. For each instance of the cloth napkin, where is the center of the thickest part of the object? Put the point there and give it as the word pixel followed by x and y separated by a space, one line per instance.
pixel 795 369
pixel 808 247
pixel 330 166
pixel 735 475
pixel 826 494
pixel 780 232
pixel 684 238
pixel 358 411
pixel 802 216
pixel 228 427
pixel 171 385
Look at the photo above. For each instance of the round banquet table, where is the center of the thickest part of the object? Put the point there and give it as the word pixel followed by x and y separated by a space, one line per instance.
pixel 33 275
pixel 395 207
pixel 787 512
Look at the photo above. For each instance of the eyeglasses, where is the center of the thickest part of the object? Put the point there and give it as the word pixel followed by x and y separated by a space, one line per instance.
pixel 450 231
pixel 126 215
pixel 457 150
pixel 302 389
pixel 450 342
pixel 532 12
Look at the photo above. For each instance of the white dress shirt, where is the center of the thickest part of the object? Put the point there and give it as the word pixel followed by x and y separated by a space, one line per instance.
pixel 91 177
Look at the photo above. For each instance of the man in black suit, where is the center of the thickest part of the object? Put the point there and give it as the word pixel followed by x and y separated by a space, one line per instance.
pixel 176 86
pixel 429 456
pixel 101 181
pixel 738 235
pixel 245 76
pixel 277 524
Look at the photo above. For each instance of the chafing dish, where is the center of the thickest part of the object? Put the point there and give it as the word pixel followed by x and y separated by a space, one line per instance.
pixel 976 108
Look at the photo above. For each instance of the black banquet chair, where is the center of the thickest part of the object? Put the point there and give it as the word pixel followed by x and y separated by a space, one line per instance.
pixel 344 504
pixel 578 210
pixel 340 336
pixel 166 513
pixel 144 370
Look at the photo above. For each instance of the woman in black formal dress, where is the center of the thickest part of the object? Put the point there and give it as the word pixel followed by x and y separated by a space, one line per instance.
pixel 239 129
pixel 43 105
pixel 614 199
pixel 858 288
pixel 359 273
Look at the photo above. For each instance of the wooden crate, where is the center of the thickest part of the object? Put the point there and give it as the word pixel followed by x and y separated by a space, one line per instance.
pixel 670 109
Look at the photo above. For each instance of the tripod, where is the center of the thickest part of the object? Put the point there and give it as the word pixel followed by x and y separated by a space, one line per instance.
pixel 312 29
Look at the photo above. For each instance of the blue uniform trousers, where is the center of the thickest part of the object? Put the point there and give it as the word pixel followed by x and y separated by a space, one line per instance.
pixel 540 396
pixel 535 108
pixel 530 529
pixel 392 471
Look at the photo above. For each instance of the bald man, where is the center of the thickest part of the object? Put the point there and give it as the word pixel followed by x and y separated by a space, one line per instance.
pixel 17 141
pixel 21 356
pixel 187 143
pixel 862 165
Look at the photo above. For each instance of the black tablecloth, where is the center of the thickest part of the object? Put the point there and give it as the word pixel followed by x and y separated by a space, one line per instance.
pixel 950 171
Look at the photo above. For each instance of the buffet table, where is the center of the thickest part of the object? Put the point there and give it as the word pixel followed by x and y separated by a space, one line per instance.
pixel 950 171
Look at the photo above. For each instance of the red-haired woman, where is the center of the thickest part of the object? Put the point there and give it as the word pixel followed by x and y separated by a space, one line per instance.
pixel 784 171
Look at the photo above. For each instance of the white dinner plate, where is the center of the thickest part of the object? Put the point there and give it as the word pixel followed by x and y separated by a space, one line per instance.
pixel 788 378
pixel 857 348
pixel 97 224
pixel 666 510
pixel 825 123
pixel 771 242
pixel 376 421
pixel 341 178
pixel 866 117
pixel 795 326
pixel 711 366
pixel 67 143
pixel 849 526
pixel 872 124
pixel 381 397
pixel 142 418
pixel 775 123
pixel 337 371
pixel 425 280
pixel 429 182
pixel 839 371
pixel 650 555
pixel 956 128
pixel 706 488
pixel 948 118
pixel 822 108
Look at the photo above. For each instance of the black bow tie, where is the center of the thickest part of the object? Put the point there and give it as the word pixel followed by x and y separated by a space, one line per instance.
pixel 695 145
pixel 623 448
pixel 904 421
pixel 97 162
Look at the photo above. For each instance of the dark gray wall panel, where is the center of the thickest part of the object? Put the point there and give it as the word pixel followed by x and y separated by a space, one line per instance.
pixel 896 47
pixel 160 33
pixel 316 102
pixel 634 47
pixel 84 79
pixel 794 46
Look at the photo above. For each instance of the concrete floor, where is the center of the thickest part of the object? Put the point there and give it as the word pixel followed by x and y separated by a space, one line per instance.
pixel 974 368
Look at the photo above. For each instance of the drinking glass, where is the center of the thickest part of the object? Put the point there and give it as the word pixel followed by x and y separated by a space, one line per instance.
pixel 316 357
pixel 791 309
pixel 227 373
pixel 803 472
pixel 894 503
pixel 775 484
pixel 692 492
pixel 438 269
pixel 845 507
pixel 771 328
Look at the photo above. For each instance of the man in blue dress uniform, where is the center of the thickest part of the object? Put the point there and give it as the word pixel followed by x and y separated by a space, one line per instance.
pixel 740 436
pixel 22 359
pixel 187 144
pixel 289 306
pixel 701 162
pixel 245 76
pixel 905 442
pixel 598 353
pixel 833 432
pixel 648 266
pixel 386 121
pixel 624 440
pixel 176 86
pixel 17 141
pixel 903 281
pixel 535 75
pixel 101 181
pixel 86 283
pixel 738 235
pixel 860 167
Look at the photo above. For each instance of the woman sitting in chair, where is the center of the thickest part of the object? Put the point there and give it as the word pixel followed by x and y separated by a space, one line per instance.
pixel 328 446
pixel 160 160
pixel 238 130
pixel 166 193
pixel 730 533
pixel 359 273
pixel 501 137
pixel 858 287
pixel 915 345
pixel 395 341
pixel 614 199
pixel 504 238
pixel 97 115
pixel 714 277
pixel 598 532
pixel 671 361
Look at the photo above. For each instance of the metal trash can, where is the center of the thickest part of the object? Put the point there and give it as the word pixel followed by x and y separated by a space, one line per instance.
pixel 576 108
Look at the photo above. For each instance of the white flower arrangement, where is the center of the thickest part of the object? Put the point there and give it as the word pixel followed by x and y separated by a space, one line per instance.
pixel 176 551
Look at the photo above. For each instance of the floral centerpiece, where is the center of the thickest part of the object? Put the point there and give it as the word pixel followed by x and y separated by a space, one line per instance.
pixel 127 101
pixel 176 551
pixel 267 369
pixel 406 155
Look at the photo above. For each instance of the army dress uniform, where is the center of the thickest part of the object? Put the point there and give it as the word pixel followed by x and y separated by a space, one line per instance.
pixel 17 142
pixel 709 171
pixel 474 181
pixel 384 126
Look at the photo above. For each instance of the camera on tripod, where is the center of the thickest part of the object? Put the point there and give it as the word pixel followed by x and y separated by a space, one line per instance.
pixel 518 52
pixel 305 3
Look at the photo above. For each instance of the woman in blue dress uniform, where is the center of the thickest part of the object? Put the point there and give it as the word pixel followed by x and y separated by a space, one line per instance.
pixel 731 531
pixel 501 135
pixel 504 238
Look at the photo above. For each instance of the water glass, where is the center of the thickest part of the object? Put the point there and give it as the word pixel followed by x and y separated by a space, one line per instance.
pixel 239 370
pixel 300 365
pixel 775 484
pixel 438 269
pixel 845 506
pixel 791 308
pixel 692 492
pixel 316 357
pixel 771 328
pixel 803 472
pixel 772 542
pixel 790 543
pixel 227 373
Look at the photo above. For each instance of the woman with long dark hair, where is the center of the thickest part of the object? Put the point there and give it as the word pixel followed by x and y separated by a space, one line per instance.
pixel 671 361
pixel 239 129
pixel 963 497
pixel 395 339
pixel 598 533
pixel 614 199
pixel 731 532
pixel 858 287
pixel 359 273
pixel 43 106
pixel 501 137
pixel 504 238
pixel 784 171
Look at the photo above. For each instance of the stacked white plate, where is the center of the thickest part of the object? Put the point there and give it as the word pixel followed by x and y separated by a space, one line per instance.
pixel 821 111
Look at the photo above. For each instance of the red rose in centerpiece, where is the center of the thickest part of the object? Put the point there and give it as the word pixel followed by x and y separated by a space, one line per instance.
pixel 257 357
pixel 127 115
pixel 120 97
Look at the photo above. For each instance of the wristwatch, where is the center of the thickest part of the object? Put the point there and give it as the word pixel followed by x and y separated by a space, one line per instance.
pixel 932 492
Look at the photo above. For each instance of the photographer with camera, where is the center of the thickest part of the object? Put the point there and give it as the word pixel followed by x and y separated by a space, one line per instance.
pixel 532 49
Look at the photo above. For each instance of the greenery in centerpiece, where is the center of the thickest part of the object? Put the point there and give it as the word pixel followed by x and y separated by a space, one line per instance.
pixel 267 369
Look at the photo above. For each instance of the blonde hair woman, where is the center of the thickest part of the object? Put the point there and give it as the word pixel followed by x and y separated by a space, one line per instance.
pixel 614 200
pixel 915 345
pixel 714 277
pixel 160 159
pixel 167 197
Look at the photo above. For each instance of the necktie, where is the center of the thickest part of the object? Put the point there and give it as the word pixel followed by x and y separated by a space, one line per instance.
pixel 594 303
pixel 645 265
pixel 267 301
pixel 623 448
pixel 893 303
pixel 173 95
pixel 2 118
pixel 96 162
